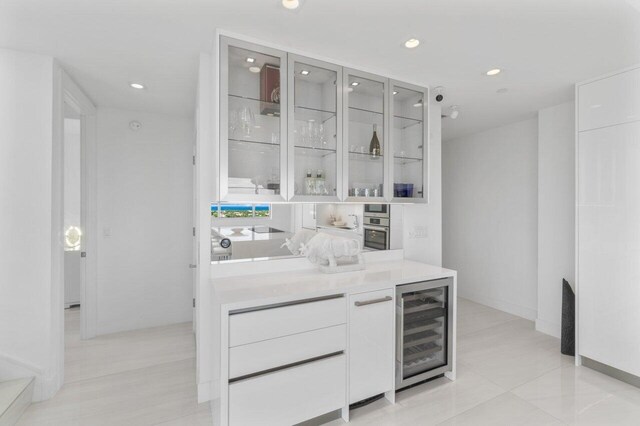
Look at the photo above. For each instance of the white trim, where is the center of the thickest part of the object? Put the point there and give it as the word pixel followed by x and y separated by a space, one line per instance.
pixel 605 76
pixel 82 105
pixel 550 328
pixel 510 308
pixel 353 67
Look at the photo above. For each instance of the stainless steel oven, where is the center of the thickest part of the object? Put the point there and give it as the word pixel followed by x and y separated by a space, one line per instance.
pixel 423 322
pixel 376 238
pixel 376 210
pixel 376 226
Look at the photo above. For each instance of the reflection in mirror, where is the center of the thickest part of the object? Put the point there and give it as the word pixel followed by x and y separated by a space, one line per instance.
pixel 241 232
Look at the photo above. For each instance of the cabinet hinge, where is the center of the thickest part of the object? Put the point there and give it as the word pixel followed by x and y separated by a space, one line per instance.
pixel 194 231
pixel 194 302
pixel 194 160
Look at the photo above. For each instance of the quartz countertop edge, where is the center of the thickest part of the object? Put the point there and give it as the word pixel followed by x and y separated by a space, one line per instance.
pixel 252 290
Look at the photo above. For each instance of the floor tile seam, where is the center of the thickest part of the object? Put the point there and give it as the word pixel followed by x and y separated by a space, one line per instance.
pixel 129 371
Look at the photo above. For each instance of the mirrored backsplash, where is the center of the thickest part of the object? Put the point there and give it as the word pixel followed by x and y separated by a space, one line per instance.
pixel 241 232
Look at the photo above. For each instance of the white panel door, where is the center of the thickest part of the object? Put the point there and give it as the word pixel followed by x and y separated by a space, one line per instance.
pixel 609 246
pixel 371 344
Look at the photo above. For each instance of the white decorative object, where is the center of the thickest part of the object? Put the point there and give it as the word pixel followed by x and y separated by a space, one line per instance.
pixel 296 243
pixel 334 253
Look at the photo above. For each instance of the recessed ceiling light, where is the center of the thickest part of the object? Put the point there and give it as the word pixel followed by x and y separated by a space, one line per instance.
pixel 254 69
pixel 494 71
pixel 395 93
pixel 137 85
pixel 251 60
pixel 411 43
pixel 304 72
pixel 291 4
pixel 355 83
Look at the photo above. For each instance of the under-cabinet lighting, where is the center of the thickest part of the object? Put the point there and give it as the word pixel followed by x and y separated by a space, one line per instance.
pixel 137 86
pixel 395 93
pixel 251 60
pixel 254 69
pixel 418 104
pixel 305 72
pixel 411 43
pixel 494 71
pixel 355 83
pixel 291 4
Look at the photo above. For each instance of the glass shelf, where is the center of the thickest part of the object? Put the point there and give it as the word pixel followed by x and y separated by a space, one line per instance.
pixel 406 160
pixel 310 114
pixel 249 145
pixel 314 152
pixel 355 155
pixel 403 123
pixel 238 98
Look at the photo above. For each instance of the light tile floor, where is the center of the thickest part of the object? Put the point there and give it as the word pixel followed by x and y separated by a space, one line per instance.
pixel 508 374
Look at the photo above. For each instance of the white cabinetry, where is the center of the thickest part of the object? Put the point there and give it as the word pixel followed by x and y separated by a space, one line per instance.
pixel 298 129
pixel 609 101
pixel 286 362
pixel 371 344
pixel 608 221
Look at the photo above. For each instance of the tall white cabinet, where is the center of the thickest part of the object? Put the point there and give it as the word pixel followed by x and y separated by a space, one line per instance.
pixel 608 220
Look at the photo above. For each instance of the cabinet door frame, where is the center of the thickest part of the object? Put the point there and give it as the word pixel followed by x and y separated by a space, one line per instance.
pixel 223 134
pixel 426 145
pixel 339 196
pixel 386 180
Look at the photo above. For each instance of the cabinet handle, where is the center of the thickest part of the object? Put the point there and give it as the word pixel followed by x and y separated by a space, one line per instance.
pixel 372 301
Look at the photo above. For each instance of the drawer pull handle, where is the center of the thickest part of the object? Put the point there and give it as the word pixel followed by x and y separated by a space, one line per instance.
pixel 372 301
pixel 284 367
pixel 283 304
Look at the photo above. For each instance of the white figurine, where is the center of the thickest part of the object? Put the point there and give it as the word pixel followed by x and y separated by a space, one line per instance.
pixel 334 253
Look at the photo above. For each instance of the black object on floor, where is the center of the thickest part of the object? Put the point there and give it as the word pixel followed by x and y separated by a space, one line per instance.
pixel 366 401
pixel 568 337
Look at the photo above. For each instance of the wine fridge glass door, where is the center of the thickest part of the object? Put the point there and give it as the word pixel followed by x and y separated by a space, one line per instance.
pixel 423 340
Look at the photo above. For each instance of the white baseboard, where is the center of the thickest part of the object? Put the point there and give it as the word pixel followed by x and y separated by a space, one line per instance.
pixel 205 392
pixel 550 328
pixel 44 387
pixel 501 305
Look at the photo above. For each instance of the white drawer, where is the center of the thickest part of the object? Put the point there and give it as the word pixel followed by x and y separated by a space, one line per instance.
pixel 289 396
pixel 270 322
pixel 273 353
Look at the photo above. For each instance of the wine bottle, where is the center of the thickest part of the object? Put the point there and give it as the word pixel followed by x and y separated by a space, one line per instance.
pixel 374 146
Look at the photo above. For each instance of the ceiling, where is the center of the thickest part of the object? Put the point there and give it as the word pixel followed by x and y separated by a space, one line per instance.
pixel 543 46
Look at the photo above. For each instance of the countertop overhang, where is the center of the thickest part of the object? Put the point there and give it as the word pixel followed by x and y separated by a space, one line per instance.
pixel 245 291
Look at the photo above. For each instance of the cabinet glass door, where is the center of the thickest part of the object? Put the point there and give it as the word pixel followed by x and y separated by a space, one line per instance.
pixel 253 149
pixel 409 135
pixel 315 128
pixel 365 137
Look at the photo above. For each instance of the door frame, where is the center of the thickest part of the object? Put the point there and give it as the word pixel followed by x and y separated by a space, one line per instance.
pixel 75 98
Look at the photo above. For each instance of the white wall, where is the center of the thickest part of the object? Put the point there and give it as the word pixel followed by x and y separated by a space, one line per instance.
pixel 422 240
pixel 144 220
pixel 490 216
pixel 556 212
pixel 26 243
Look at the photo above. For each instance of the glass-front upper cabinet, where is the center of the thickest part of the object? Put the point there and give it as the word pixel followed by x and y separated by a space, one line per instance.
pixel 409 134
pixel 253 122
pixel 365 154
pixel 315 130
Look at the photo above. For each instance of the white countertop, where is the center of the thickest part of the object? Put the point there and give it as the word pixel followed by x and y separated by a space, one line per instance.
pixel 260 289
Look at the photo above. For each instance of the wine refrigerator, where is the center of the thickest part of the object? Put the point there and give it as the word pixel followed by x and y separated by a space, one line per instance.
pixel 424 316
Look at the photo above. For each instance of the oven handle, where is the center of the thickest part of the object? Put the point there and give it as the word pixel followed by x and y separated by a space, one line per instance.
pixel 377 228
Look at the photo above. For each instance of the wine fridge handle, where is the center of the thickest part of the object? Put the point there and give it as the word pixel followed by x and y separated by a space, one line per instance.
pixel 372 301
